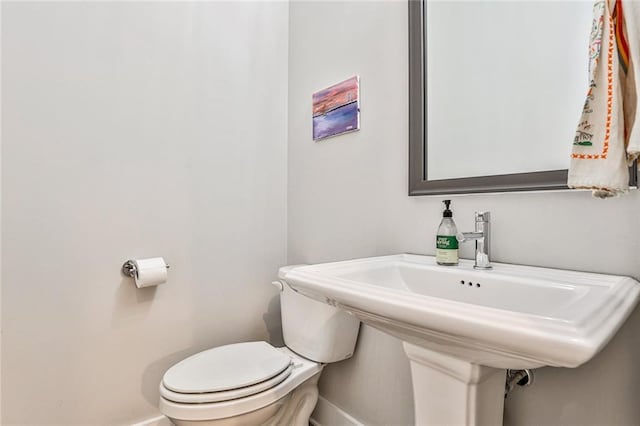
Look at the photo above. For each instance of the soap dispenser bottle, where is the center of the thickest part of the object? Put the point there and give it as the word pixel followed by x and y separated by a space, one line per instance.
pixel 446 241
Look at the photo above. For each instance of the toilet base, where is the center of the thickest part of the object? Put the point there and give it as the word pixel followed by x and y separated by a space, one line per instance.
pixel 294 409
pixel 257 417
pixel 297 410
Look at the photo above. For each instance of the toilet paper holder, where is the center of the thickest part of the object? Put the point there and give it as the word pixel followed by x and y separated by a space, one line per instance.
pixel 130 270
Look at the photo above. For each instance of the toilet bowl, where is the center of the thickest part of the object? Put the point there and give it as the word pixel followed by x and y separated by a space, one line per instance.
pixel 254 383
pixel 247 392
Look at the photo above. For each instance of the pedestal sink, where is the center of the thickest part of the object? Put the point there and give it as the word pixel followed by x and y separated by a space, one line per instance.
pixel 462 328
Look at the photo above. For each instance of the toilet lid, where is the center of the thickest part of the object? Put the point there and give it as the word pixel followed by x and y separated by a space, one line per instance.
pixel 226 368
pixel 203 398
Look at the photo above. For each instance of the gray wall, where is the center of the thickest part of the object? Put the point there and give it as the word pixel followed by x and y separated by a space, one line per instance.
pixel 347 198
pixel 135 130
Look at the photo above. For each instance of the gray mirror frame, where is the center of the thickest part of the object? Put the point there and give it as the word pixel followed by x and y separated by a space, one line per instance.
pixel 418 183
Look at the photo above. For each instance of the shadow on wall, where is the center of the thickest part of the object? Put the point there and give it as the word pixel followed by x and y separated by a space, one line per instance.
pixel 131 304
pixel 601 392
pixel 153 374
pixel 273 322
pixel 130 301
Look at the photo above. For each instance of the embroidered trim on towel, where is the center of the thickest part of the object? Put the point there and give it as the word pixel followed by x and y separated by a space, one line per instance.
pixel 583 135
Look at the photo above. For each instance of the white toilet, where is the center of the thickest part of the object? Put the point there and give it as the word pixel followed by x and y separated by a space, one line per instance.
pixel 254 383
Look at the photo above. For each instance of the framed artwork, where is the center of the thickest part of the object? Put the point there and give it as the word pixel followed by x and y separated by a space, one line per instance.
pixel 336 109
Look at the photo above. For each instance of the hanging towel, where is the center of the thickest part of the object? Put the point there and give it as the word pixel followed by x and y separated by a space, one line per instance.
pixel 630 27
pixel 598 157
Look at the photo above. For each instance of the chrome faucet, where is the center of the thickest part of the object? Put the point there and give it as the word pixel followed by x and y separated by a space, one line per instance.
pixel 481 237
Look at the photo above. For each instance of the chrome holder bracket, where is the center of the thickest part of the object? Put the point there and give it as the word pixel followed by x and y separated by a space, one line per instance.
pixel 129 269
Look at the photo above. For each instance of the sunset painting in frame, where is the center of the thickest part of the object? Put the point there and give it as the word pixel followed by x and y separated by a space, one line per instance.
pixel 336 109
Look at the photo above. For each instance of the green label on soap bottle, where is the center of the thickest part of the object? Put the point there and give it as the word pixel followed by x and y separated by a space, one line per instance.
pixel 446 242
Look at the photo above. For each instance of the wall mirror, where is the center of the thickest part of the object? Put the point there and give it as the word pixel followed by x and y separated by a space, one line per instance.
pixel 496 91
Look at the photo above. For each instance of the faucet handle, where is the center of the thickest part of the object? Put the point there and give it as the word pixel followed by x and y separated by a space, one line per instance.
pixel 483 216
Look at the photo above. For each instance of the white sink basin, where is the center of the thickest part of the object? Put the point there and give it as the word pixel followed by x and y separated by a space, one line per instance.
pixel 508 317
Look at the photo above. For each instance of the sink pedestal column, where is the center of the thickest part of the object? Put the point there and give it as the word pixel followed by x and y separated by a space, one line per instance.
pixel 450 391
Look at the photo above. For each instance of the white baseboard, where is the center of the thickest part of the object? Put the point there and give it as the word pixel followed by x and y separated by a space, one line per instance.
pixel 156 421
pixel 325 414
pixel 328 414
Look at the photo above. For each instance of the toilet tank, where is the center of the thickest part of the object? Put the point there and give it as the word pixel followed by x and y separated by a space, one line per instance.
pixel 313 329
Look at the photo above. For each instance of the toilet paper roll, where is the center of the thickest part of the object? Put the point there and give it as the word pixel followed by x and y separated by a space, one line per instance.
pixel 150 272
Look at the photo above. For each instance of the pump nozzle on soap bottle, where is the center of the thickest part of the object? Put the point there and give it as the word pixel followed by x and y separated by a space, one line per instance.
pixel 446 241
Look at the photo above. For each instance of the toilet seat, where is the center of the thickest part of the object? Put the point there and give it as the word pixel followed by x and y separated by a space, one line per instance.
pixel 301 369
pixel 226 368
pixel 200 398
